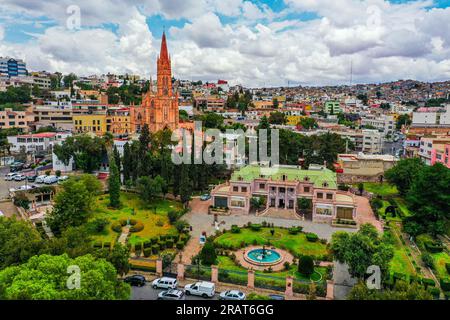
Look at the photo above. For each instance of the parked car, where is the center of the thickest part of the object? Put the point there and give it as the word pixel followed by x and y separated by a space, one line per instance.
pixel 232 295
pixel 205 197
pixel 135 280
pixel 165 283
pixel 276 297
pixel 63 178
pixel 32 178
pixel 40 179
pixel 50 179
pixel 203 289
pixel 10 176
pixel 19 177
pixel 171 295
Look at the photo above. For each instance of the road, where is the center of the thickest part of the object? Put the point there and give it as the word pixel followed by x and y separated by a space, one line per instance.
pixel 6 185
pixel 392 147
pixel 148 293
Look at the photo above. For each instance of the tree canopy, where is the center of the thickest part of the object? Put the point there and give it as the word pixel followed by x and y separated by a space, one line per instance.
pixel 47 277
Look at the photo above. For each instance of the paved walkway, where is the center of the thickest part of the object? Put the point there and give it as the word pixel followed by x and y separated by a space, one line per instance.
pixel 364 213
pixel 200 221
pixel 191 249
pixel 123 237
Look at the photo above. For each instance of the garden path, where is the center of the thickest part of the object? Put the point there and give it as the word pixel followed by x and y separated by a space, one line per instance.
pixel 123 237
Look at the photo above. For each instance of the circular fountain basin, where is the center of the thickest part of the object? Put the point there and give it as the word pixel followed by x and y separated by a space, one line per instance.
pixel 263 257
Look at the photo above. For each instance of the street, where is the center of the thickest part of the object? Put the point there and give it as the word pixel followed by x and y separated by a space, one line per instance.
pixel 392 147
pixel 148 293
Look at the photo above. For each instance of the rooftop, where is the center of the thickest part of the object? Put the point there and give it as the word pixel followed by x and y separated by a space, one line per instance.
pixel 317 177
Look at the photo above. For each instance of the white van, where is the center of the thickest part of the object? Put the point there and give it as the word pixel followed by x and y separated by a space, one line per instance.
pixel 10 176
pixel 51 180
pixel 165 283
pixel 203 289
pixel 40 179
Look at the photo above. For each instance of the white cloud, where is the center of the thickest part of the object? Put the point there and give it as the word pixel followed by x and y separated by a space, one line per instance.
pixel 2 32
pixel 384 41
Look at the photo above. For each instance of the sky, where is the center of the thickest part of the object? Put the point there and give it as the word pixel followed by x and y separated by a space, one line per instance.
pixel 251 42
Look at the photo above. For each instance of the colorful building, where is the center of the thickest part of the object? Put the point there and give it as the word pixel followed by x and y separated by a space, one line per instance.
pixel 118 121
pixel 16 119
pixel 282 187
pixel 441 154
pixel 294 120
pixel 93 123
pixel 159 110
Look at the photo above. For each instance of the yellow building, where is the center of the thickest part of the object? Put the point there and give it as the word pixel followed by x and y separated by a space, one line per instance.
pixel 294 120
pixel 118 121
pixel 95 123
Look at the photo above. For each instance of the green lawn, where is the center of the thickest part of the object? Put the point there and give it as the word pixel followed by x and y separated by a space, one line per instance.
pixel 226 263
pixel 383 189
pixel 401 204
pixel 153 216
pixel 401 262
pixel 440 259
pixel 281 239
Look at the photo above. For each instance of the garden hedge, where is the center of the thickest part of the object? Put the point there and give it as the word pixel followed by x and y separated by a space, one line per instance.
pixel 162 245
pixel 445 284
pixel 155 248
pixel 235 229
pixel 147 252
pixel 428 282
pixel 116 227
pixel 169 244
pixel 180 245
pixel 139 226
pixel 154 240
pixel 147 244
pixel 312 237
pixel 255 227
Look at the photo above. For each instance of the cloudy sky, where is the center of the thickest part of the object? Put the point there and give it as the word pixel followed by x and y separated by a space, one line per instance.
pixel 253 42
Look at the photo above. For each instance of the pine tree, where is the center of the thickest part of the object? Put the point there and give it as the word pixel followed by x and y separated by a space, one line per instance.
pixel 117 158
pixel 114 184
pixel 127 162
pixel 185 184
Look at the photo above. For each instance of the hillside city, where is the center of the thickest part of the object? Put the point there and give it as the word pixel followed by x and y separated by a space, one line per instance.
pixel 362 188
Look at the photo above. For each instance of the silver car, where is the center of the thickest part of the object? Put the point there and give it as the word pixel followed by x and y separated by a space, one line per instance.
pixel 171 294
pixel 232 295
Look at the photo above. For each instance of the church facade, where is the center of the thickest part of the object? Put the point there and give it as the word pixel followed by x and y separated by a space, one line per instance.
pixel 159 109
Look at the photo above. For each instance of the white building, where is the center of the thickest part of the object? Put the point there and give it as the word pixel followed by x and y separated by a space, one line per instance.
pixel 432 116
pixel 383 123
pixel 372 141
pixel 38 142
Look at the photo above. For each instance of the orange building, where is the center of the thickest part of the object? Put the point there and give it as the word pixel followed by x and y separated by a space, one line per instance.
pixel 159 109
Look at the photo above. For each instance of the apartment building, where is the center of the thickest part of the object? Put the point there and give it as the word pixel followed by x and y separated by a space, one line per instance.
pixel 57 115
pixel 372 141
pixel 383 123
pixel 90 123
pixel 332 107
pixel 10 67
pixel 441 154
pixel 427 144
pixel 432 117
pixel 118 121
pixel 36 143
pixel 16 119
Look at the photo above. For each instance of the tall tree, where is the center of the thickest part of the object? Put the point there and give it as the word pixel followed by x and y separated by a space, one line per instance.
pixel 404 173
pixel 127 162
pixel 114 184
pixel 429 200
pixel 185 184
pixel 46 277
pixel 19 241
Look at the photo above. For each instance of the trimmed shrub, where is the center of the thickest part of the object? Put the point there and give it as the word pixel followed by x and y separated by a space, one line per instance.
pixel 133 222
pixel 445 284
pixel 180 245
pixel 428 260
pixel 147 244
pixel 447 267
pixel 433 247
pixel 154 240
pixel 123 222
pixel 98 244
pixel 312 237
pixel 255 227
pixel 162 245
pixel 155 248
pixel 306 265
pixel 428 282
pixel 139 226
pixel 169 244
pixel 176 238
pixel 295 230
pixel 235 229
pixel 116 227
pixel 147 252
pixel 162 237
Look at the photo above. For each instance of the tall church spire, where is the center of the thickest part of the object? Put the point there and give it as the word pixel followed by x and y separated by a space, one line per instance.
pixel 164 54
